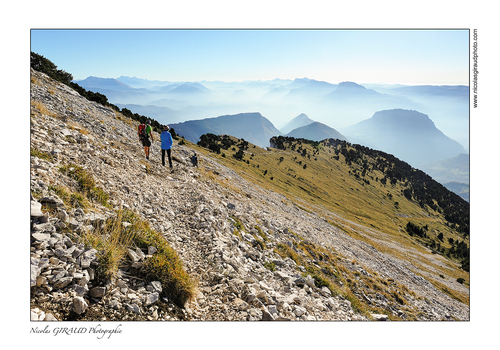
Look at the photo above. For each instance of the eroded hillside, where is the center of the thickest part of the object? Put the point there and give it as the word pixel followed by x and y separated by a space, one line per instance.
pixel 250 252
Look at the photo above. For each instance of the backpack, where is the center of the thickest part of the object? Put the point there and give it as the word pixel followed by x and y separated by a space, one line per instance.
pixel 142 130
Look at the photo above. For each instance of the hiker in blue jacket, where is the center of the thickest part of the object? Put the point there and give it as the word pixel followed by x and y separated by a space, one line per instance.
pixel 166 145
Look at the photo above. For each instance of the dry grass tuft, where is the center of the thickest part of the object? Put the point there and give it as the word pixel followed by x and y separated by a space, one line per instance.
pixel 41 109
pixel 86 183
pixel 111 241
pixel 165 265
pixel 127 231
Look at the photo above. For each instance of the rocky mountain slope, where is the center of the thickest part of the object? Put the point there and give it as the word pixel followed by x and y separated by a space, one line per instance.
pixel 229 233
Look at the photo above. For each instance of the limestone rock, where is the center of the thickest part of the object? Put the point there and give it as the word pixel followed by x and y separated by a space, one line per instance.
pixel 87 258
pixel 79 305
pixel 310 281
pixel 379 317
pixel 52 201
pixel 35 271
pixel 299 311
pixel 133 308
pixel 152 298
pixel 62 282
pixel 156 286
pixel 36 209
pixel 266 316
pixel 133 255
pixel 97 292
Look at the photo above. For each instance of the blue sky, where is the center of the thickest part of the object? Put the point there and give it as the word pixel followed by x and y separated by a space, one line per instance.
pixel 437 57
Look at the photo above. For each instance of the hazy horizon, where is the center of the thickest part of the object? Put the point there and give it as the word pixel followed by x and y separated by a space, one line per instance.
pixel 229 62
pixel 408 57
pixel 337 106
pixel 267 80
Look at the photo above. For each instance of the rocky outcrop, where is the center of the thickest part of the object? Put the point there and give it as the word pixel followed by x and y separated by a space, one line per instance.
pixel 211 216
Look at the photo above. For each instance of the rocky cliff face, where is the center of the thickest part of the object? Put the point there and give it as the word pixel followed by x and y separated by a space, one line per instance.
pixel 215 220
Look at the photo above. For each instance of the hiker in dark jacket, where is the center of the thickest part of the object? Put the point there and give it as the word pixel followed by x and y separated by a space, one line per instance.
pixel 144 136
pixel 194 159
pixel 166 145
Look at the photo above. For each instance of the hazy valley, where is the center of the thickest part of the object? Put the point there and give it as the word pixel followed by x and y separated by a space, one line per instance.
pixel 351 110
pixel 336 105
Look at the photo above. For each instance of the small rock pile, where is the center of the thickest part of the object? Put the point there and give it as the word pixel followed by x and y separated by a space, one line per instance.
pixel 64 271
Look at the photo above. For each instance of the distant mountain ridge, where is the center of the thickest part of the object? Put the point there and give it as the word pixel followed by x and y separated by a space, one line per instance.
pixel 454 169
pixel 361 98
pixel 185 88
pixel 159 113
pixel 142 83
pixel 316 131
pixel 308 88
pixel 252 127
pixel 339 105
pixel 297 122
pixel 409 135
pixel 350 87
pixel 101 84
pixel 459 188
pixel 461 91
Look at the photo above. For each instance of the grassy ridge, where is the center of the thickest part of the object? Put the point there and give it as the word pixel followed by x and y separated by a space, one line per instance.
pixel 318 177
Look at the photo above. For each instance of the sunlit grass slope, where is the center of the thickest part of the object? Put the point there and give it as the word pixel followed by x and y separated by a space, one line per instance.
pixel 319 178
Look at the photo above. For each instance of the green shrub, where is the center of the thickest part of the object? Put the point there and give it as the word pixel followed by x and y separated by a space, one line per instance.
pixel 40 154
pixel 239 155
pixel 413 229
pixel 111 240
pixel 237 223
pixel 262 234
pixel 320 281
pixel 270 266
pixel 286 252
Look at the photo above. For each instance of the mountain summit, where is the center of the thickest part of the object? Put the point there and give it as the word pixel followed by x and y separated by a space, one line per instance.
pixel 297 122
pixel 316 131
pixel 351 87
pixel 103 84
pixel 409 135
pixel 252 127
